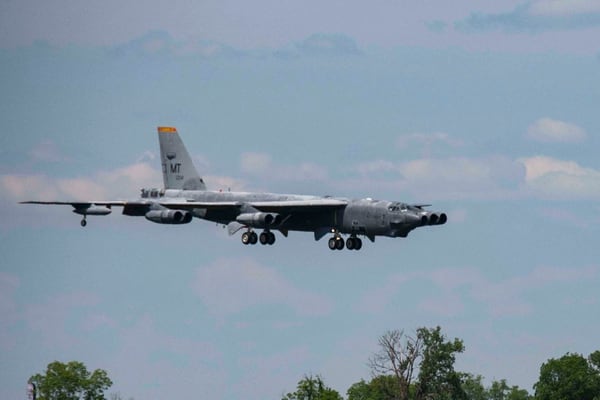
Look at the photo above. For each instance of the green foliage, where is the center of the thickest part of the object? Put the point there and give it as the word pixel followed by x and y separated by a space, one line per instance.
pixel 428 352
pixel 437 377
pixel 71 381
pixel 473 387
pixel 594 360
pixel 383 387
pixel 569 377
pixel 499 390
pixel 312 388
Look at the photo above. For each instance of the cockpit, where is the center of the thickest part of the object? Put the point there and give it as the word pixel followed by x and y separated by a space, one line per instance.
pixel 398 207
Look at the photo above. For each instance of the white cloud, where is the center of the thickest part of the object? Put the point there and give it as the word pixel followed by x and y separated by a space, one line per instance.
pixel 427 139
pixel 21 187
pixel 539 166
pixel 255 163
pixel 261 165
pixel 114 184
pixel 229 286
pixel 462 177
pixel 551 178
pixel 554 131
pixel 456 177
pixel 493 177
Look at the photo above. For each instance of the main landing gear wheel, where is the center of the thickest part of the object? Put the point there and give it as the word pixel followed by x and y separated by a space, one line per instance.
pixel 336 243
pixel 267 237
pixel 331 243
pixel 253 238
pixel 249 237
pixel 353 243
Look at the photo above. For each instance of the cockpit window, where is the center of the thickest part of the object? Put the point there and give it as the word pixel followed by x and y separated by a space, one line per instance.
pixel 397 207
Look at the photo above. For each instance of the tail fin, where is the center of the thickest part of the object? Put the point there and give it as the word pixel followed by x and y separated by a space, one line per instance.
pixel 178 170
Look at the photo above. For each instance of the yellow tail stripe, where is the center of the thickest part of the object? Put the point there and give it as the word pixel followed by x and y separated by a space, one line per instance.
pixel 166 129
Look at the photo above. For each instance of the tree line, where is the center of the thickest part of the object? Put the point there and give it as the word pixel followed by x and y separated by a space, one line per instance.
pixel 421 367
pixel 405 367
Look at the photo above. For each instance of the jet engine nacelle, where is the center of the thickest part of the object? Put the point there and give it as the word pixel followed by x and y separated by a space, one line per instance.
pixel 434 219
pixel 259 219
pixel 92 210
pixel 175 217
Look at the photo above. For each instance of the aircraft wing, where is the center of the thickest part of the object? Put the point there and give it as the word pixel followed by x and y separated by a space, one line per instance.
pixel 299 205
pixel 79 204
pixel 281 206
pixel 274 206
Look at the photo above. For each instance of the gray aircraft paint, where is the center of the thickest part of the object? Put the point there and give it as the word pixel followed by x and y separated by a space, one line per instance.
pixel 177 166
pixel 185 196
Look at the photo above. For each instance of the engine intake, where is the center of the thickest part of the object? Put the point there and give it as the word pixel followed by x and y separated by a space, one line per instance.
pixel 437 219
pixel 174 217
pixel 259 219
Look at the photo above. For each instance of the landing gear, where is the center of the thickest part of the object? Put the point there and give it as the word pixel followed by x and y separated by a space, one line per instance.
pixel 332 244
pixel 267 237
pixel 83 222
pixel 250 237
pixel 353 243
pixel 337 243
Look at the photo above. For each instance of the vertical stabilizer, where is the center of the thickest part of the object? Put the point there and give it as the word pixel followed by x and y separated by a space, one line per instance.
pixel 177 167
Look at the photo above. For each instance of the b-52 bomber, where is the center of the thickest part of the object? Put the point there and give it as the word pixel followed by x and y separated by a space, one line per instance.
pixel 185 196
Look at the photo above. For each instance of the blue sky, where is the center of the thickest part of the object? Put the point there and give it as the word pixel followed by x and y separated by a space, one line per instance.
pixel 487 110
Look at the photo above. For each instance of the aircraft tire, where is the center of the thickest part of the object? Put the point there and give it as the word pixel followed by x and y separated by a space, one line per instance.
pixel 246 238
pixel 271 238
pixel 83 223
pixel 264 238
pixel 357 243
pixel 332 243
pixel 253 238
pixel 339 243
pixel 350 243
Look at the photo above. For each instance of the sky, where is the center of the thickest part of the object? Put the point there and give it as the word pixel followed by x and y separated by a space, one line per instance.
pixel 487 110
